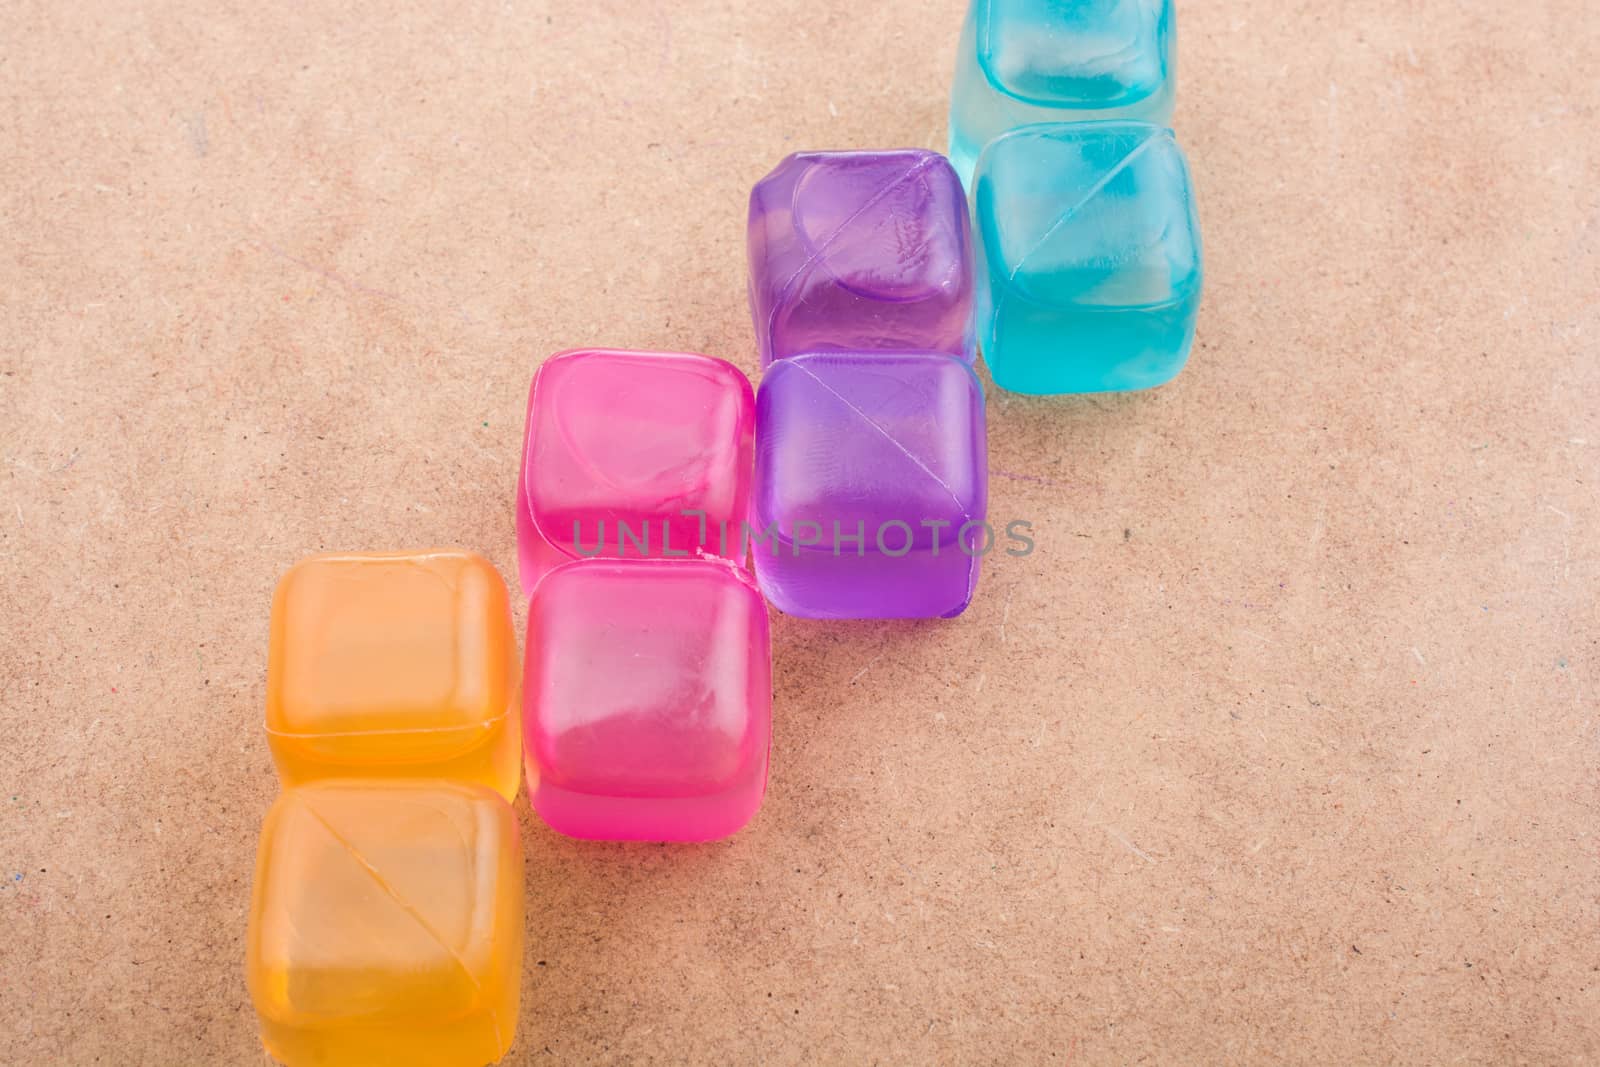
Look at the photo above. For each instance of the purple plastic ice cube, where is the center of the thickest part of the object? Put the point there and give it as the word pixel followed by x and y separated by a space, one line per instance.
pixel 861 252
pixel 871 485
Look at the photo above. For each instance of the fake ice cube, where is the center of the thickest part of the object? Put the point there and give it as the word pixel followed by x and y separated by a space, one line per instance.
pixel 860 252
pixel 648 704
pixel 871 485
pixel 1028 61
pixel 632 455
pixel 1089 257
pixel 386 925
pixel 394 665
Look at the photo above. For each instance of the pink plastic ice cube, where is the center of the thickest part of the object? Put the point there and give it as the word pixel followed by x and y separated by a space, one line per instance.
pixel 633 454
pixel 647 699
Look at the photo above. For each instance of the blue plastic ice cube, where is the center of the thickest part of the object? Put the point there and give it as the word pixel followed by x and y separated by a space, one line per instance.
pixel 1027 61
pixel 1088 257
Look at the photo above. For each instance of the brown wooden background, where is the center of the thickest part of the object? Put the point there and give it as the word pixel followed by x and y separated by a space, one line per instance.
pixel 1282 746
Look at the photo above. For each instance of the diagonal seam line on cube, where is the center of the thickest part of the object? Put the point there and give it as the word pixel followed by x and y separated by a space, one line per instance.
pixel 407 907
pixel 466 847
pixel 822 247
pixel 389 891
pixel 1061 220
pixel 1094 190
pixel 887 436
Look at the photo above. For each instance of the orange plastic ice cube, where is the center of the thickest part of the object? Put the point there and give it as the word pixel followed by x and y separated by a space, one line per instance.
pixel 386 925
pixel 394 665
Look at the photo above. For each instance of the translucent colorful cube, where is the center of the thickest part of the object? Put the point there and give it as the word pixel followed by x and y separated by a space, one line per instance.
pixel 1089 257
pixel 1027 61
pixel 649 699
pixel 394 665
pixel 386 925
pixel 871 485
pixel 632 454
pixel 861 252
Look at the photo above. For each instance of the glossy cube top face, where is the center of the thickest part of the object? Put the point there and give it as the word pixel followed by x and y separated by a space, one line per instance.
pixel 386 924
pixel 393 665
pixel 620 445
pixel 890 448
pixel 860 251
pixel 649 699
pixel 1028 61
pixel 1090 254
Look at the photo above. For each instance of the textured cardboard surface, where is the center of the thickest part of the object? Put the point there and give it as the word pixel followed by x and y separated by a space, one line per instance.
pixel 1282 746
